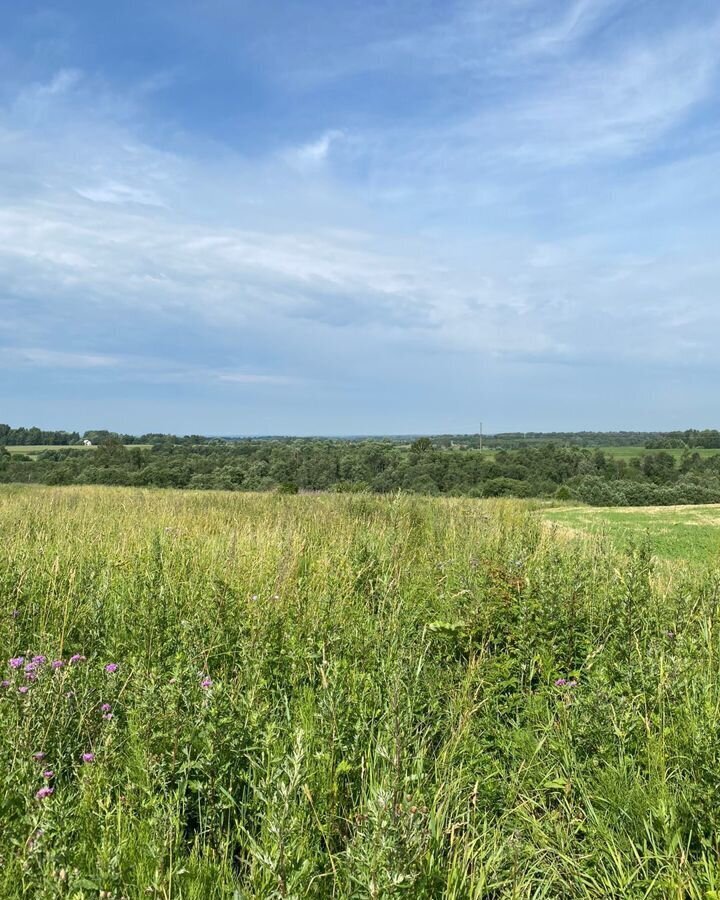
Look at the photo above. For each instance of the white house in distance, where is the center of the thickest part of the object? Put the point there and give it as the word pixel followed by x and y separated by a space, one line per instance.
pixel 87 443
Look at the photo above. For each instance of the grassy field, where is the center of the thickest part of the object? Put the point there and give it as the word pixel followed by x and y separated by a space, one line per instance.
pixel 675 532
pixel 627 453
pixel 35 449
pixel 210 695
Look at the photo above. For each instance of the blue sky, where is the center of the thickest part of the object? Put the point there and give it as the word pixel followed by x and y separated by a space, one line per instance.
pixel 316 217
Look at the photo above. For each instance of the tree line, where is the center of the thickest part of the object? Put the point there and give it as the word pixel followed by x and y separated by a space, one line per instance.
pixel 691 438
pixel 34 437
pixel 382 466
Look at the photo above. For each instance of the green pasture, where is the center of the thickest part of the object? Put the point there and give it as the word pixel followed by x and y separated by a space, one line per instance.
pixel 628 453
pixel 36 449
pixel 689 533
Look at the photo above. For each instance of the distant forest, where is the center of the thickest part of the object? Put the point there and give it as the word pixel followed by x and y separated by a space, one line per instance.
pixel 653 440
pixel 668 468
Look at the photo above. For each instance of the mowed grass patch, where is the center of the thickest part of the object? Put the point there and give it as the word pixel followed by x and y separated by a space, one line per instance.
pixel 209 695
pixel 628 453
pixel 35 449
pixel 689 533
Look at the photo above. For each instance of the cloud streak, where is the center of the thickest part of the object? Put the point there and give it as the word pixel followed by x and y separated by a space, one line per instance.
pixel 54 359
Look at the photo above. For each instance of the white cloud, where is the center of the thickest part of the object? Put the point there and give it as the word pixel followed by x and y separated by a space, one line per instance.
pixel 579 20
pixel 250 378
pixel 616 106
pixel 114 192
pixel 62 82
pixel 55 359
pixel 314 153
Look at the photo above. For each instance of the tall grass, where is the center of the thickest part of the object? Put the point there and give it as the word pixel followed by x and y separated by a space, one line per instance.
pixel 352 697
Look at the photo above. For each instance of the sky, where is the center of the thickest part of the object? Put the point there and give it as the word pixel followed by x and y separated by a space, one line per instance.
pixel 365 217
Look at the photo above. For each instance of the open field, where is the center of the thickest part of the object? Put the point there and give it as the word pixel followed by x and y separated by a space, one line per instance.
pixel 628 453
pixel 35 449
pixel 632 452
pixel 211 695
pixel 675 532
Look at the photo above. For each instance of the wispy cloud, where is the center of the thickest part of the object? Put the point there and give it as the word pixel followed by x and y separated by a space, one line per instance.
pixel 315 152
pixel 251 378
pixel 114 192
pixel 574 24
pixel 619 105
pixel 60 83
pixel 54 359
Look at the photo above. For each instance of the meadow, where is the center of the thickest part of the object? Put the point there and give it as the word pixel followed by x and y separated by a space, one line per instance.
pixel 675 533
pixel 628 453
pixel 34 450
pixel 212 695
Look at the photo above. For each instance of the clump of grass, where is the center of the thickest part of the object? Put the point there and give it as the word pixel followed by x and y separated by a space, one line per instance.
pixel 213 695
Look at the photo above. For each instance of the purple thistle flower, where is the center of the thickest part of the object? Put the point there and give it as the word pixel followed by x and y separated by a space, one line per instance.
pixel 111 667
pixel 107 716
pixel 48 774
pixel 31 676
pixel 561 682
pixel 206 682
pixel 5 683
pixel 39 756
pixel 23 689
pixel 30 667
pixel 16 662
pixel 88 757
pixel 39 660
pixel 44 792
pixel 106 707
pixel 57 663
pixel 77 658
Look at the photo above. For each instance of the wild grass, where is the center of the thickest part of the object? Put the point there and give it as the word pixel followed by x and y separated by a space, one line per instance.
pixel 348 696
